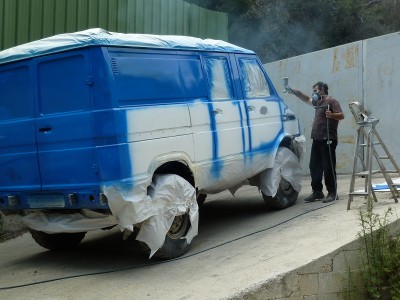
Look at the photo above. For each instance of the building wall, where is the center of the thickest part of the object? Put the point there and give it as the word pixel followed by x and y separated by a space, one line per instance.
pixel 22 21
pixel 366 71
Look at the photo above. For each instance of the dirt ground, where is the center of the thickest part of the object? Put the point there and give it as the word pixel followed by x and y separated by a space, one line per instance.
pixel 11 227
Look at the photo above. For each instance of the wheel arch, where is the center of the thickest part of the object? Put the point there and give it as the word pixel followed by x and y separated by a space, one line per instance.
pixel 180 168
pixel 286 141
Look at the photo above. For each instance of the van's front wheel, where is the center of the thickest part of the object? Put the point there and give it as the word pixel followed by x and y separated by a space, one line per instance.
pixel 285 196
pixel 57 241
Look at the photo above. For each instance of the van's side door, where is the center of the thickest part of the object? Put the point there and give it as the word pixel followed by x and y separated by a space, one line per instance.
pixel 19 168
pixel 224 141
pixel 64 127
pixel 263 109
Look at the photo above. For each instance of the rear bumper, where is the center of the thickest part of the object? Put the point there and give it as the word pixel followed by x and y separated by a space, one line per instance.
pixel 61 199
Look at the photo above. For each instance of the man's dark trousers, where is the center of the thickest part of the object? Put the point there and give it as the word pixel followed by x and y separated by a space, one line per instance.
pixel 320 165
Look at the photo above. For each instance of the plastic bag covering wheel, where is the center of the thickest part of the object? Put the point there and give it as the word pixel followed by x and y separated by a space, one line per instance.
pixel 54 222
pixel 299 147
pixel 154 205
pixel 287 166
pixel 171 196
pixel 269 179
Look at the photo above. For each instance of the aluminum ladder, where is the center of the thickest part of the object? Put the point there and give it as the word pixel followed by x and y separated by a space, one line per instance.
pixel 364 153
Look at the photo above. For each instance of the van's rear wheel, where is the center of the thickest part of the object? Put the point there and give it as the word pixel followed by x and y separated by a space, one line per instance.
pixel 174 245
pixel 57 241
pixel 285 196
pixel 201 198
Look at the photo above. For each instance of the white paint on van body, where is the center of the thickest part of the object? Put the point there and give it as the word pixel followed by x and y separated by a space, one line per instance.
pixel 154 131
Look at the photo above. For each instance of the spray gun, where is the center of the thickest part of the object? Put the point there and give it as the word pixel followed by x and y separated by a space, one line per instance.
pixel 285 83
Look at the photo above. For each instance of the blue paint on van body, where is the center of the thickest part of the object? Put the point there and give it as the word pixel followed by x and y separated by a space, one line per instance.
pixel 65 116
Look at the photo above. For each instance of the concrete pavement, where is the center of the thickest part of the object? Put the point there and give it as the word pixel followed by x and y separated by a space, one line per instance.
pixel 241 248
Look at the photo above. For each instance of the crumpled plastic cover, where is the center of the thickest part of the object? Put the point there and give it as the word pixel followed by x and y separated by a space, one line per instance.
pixel 101 37
pixel 171 196
pixel 299 147
pixel 55 222
pixel 153 208
pixel 286 165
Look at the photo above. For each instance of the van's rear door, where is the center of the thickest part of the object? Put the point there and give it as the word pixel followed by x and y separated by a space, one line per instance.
pixel 64 127
pixel 18 153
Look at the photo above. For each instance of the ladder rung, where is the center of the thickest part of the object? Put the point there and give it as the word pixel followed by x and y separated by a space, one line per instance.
pixel 359 194
pixel 364 145
pixel 391 171
pixel 383 157
pixel 366 173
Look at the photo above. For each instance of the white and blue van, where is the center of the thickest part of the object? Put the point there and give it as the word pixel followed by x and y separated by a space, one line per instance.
pixel 99 129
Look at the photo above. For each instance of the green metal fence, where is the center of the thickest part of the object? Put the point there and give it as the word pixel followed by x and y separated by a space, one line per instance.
pixel 22 21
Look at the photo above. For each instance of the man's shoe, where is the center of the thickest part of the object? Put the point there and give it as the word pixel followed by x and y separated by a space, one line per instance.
pixel 331 197
pixel 315 196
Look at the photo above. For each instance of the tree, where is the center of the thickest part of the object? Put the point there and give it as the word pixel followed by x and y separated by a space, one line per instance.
pixel 288 27
pixel 232 6
pixel 278 29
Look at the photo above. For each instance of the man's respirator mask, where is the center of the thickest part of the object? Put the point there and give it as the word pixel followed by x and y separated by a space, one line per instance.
pixel 315 98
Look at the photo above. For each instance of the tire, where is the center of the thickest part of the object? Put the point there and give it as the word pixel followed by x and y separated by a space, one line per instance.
pixel 201 198
pixel 285 196
pixel 174 246
pixel 57 241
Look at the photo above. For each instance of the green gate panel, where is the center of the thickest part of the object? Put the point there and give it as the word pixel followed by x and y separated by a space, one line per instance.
pixel 22 21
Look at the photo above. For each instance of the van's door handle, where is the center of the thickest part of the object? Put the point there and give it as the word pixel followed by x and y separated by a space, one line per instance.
pixel 218 111
pixel 45 129
pixel 251 108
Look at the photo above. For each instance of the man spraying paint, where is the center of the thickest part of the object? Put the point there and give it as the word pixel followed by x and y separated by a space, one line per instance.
pixel 328 113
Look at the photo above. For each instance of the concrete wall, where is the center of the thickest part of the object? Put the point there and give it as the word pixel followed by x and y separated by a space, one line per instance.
pixel 335 276
pixel 366 71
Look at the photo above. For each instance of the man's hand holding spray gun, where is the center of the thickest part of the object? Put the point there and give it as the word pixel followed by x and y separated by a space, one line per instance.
pixel 315 98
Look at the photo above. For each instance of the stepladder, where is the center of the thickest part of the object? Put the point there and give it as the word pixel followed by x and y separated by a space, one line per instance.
pixel 371 158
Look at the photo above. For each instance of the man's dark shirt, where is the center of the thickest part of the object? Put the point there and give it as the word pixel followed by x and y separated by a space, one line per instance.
pixel 319 131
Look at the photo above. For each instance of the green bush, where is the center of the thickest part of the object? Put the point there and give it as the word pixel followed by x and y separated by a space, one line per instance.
pixel 380 268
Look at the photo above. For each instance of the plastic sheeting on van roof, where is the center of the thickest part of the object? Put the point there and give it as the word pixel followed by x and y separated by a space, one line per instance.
pixel 101 37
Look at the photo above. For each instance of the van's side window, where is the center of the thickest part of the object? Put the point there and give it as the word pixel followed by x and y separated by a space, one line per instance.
pixel 66 74
pixel 255 83
pixel 219 78
pixel 156 78
pixel 15 94
pixel 143 77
